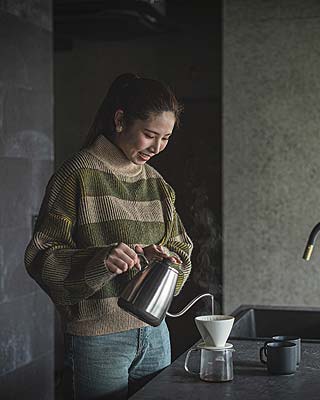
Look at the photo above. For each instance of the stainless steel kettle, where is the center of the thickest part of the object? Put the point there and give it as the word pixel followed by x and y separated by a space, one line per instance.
pixel 149 294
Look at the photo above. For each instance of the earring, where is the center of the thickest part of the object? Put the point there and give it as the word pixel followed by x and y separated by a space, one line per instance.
pixel 119 129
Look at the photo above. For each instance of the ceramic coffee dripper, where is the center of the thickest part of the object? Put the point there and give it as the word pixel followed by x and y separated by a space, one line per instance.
pixel 214 329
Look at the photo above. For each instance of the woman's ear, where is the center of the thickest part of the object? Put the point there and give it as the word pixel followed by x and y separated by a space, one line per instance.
pixel 119 121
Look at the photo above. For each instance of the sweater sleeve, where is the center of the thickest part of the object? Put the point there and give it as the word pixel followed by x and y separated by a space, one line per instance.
pixel 67 274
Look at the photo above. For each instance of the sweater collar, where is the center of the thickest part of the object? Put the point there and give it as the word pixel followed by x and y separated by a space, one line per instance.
pixel 113 157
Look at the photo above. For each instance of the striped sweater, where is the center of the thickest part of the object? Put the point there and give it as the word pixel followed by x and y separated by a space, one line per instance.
pixel 97 199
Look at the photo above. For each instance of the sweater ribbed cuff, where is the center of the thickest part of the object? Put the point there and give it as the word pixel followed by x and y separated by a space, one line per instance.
pixel 98 274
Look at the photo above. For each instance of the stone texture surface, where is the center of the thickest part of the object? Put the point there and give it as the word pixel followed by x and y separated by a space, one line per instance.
pixel 27 336
pixel 248 10
pixel 26 99
pixel 30 382
pixel 38 12
pixel 271 150
pixel 251 380
pixel 15 176
pixel 41 171
pixel 14 280
pixel 26 162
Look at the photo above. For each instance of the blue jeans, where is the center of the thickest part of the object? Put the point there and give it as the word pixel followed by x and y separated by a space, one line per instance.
pixel 116 365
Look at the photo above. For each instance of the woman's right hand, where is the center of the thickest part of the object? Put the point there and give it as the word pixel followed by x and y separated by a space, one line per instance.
pixel 122 258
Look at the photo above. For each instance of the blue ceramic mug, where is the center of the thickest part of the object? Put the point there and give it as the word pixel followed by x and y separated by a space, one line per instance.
pixel 281 357
pixel 291 339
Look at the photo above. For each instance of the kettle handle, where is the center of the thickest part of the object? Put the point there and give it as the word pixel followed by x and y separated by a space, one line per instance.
pixel 144 258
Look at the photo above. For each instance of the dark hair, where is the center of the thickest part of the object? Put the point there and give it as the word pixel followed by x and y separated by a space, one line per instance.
pixel 138 98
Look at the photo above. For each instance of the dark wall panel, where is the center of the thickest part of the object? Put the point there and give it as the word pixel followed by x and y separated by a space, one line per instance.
pixel 26 162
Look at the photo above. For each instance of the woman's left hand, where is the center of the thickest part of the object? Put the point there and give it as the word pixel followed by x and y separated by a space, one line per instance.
pixel 156 252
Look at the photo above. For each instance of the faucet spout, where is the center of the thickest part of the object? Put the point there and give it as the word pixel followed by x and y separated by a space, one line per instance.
pixel 312 238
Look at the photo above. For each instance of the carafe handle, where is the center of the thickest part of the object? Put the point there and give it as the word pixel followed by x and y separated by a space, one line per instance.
pixel 186 362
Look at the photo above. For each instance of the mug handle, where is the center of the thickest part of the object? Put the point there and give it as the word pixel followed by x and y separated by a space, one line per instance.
pixel 265 345
pixel 186 362
pixel 263 350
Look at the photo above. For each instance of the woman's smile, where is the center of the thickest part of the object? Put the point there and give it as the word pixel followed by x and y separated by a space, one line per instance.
pixel 144 156
pixel 146 138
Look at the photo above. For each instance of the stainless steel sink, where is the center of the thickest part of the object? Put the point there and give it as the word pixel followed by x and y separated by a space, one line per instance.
pixel 259 322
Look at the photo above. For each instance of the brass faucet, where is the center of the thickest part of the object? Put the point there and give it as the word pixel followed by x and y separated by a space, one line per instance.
pixel 309 247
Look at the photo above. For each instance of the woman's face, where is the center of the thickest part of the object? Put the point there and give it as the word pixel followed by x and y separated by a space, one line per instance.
pixel 144 139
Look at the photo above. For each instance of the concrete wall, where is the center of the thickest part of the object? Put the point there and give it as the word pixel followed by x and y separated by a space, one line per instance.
pixel 191 63
pixel 26 162
pixel 271 146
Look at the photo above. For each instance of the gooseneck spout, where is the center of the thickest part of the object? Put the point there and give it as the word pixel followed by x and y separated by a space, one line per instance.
pixel 186 308
pixel 312 238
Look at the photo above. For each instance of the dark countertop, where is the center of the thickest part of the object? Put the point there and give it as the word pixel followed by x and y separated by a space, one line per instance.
pixel 251 380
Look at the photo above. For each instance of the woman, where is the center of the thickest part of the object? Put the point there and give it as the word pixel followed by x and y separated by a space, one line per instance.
pixel 101 208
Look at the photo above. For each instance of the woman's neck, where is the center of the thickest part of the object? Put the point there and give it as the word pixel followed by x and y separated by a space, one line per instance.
pixel 106 150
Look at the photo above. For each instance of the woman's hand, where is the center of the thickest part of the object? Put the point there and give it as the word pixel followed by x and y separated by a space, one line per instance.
pixel 156 252
pixel 122 258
